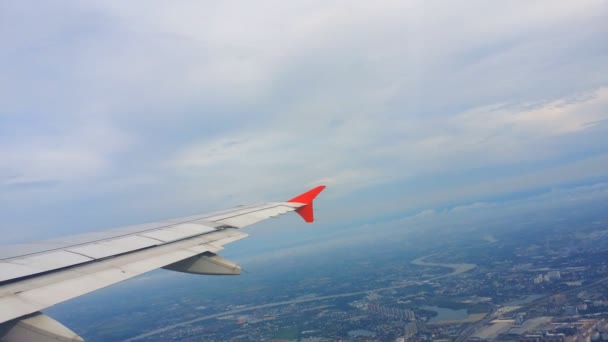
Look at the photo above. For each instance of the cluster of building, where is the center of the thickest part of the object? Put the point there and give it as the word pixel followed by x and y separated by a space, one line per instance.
pixel 548 277
pixel 410 330
pixel 395 312
pixel 584 330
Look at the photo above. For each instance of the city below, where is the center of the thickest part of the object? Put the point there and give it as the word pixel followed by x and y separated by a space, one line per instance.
pixel 548 283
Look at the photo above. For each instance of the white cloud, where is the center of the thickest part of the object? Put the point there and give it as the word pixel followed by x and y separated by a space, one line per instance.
pixel 561 116
pixel 355 154
pixel 177 106
pixel 77 153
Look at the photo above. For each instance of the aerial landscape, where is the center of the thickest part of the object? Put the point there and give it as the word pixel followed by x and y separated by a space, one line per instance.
pixel 150 149
pixel 544 272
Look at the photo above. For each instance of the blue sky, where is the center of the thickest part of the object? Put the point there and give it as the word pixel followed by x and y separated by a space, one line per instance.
pixel 117 112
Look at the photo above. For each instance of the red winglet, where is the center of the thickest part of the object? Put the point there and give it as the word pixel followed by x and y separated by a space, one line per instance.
pixel 306 211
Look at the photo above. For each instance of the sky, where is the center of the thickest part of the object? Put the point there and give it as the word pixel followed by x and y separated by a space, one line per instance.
pixel 123 112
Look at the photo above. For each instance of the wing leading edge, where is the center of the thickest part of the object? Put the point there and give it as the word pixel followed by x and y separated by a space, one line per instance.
pixel 32 279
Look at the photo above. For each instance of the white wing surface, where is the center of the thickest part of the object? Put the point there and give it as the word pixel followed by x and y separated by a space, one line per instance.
pixel 36 276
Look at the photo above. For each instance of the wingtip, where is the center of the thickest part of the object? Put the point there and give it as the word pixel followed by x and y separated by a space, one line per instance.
pixel 308 196
pixel 306 211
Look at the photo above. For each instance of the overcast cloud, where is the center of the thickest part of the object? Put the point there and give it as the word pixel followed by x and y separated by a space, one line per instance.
pixel 118 112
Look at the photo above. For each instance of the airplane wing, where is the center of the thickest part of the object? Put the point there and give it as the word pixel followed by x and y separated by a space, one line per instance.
pixel 36 276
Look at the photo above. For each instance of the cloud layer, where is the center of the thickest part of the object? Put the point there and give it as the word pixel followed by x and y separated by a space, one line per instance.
pixel 116 112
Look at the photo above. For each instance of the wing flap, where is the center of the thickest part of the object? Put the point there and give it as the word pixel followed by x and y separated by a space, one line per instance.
pixel 250 216
pixel 10 270
pixel 178 232
pixel 108 248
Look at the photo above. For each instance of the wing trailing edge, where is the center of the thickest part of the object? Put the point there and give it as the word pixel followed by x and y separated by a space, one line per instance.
pixel 306 211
